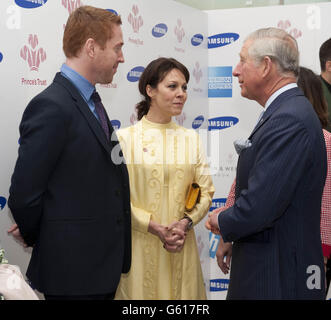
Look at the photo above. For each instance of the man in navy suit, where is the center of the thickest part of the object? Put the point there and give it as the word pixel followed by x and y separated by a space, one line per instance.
pixel 68 198
pixel 274 223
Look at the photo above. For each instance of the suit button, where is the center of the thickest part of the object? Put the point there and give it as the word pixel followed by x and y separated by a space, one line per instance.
pixel 119 220
pixel 118 192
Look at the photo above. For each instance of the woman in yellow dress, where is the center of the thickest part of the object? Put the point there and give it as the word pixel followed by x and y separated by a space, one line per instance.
pixel 163 160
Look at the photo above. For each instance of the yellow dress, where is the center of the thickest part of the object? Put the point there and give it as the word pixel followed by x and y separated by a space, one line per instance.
pixel 163 160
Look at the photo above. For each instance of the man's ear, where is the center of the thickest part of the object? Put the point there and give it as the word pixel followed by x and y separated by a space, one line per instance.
pixel 267 66
pixel 90 47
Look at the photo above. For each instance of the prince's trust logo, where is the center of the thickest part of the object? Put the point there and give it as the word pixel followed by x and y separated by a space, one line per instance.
pixel 286 25
pixel 71 5
pixel 34 56
pixel 180 34
pixel 179 31
pixel 136 21
pixel 197 74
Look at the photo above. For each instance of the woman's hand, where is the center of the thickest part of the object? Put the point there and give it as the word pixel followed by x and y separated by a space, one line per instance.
pixel 172 237
pixel 177 233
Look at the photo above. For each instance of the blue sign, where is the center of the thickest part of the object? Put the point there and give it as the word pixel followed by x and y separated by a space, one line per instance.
pixel 220 123
pixel 1 56
pixel 197 39
pixel 135 73
pixel 30 4
pixel 219 284
pixel 3 202
pixel 197 122
pixel 217 203
pixel 159 30
pixel 214 240
pixel 220 82
pixel 222 39
pixel 116 124
pixel 113 11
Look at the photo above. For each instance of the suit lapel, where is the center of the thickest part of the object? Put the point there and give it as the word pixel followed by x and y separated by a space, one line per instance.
pixel 275 105
pixel 86 112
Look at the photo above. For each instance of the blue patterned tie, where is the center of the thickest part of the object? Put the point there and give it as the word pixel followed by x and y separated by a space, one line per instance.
pixel 99 108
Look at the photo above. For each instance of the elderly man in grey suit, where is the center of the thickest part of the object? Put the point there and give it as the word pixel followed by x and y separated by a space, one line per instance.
pixel 274 223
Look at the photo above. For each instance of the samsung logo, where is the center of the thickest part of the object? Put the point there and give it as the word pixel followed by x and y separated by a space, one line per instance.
pixel 116 124
pixel 159 30
pixel 217 203
pixel 222 123
pixel 222 39
pixel 197 39
pixel 30 4
pixel 3 202
pixel 219 284
pixel 113 11
pixel 135 74
pixel 197 122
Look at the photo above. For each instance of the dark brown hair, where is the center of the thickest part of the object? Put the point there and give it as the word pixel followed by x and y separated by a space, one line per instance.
pixel 88 22
pixel 325 53
pixel 311 86
pixel 154 73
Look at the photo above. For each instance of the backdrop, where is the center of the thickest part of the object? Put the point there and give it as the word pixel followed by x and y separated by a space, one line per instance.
pixel 229 113
pixel 31 53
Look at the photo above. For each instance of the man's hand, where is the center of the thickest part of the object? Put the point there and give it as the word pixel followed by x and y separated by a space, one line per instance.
pixel 15 232
pixel 224 250
pixel 212 222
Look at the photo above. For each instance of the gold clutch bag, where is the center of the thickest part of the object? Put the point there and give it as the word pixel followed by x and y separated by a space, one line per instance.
pixel 193 197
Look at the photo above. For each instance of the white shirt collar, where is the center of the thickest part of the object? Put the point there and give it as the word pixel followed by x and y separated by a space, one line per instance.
pixel 279 92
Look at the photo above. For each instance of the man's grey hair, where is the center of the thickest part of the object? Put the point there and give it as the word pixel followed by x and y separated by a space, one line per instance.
pixel 277 44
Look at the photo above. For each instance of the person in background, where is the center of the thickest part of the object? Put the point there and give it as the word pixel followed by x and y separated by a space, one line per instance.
pixel 70 201
pixel 165 258
pixel 274 223
pixel 311 86
pixel 325 61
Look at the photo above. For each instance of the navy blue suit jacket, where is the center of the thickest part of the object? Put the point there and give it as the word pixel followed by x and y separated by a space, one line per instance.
pixel 70 201
pixel 275 222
